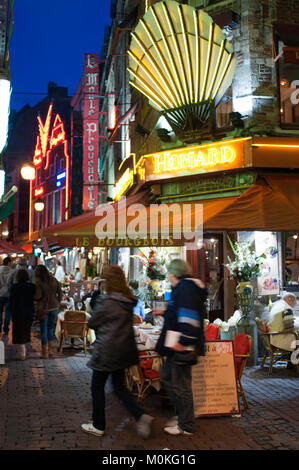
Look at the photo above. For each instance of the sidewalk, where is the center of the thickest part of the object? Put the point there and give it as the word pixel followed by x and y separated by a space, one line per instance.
pixel 44 402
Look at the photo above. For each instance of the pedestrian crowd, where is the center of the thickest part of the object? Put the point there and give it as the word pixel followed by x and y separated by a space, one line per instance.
pixel 25 297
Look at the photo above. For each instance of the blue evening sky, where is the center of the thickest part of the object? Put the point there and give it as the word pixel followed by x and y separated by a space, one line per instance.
pixel 49 41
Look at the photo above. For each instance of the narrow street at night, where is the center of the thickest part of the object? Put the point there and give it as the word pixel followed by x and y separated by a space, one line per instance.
pixel 149 232
pixel 55 400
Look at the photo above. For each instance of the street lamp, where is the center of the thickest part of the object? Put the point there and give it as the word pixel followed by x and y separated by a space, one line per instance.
pixel 39 205
pixel 28 172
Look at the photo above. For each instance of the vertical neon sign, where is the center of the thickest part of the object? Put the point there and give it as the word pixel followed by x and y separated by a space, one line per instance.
pixel 90 131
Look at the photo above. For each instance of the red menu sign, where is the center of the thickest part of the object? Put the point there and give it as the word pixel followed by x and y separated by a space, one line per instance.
pixel 90 131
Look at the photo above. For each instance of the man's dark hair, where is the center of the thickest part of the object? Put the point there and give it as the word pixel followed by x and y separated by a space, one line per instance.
pixel 22 275
pixel 6 261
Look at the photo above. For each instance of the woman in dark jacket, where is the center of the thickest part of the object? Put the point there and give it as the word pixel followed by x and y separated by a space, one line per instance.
pixel 114 350
pixel 48 297
pixel 22 310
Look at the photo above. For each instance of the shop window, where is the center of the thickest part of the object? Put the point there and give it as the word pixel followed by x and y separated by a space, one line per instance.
pixel 49 209
pixel 286 45
pixel 291 258
pixel 56 208
pixel 56 165
pixel 223 110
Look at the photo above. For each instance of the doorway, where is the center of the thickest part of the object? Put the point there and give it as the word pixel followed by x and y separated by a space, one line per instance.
pixel 210 268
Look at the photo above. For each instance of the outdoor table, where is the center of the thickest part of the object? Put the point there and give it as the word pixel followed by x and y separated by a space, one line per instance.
pixel 90 333
pixel 148 336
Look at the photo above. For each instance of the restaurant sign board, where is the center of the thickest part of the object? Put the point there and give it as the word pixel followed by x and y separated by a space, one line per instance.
pixel 214 382
pixel 90 131
pixel 217 156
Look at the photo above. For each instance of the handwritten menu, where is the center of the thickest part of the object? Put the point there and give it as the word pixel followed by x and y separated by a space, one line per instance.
pixel 214 381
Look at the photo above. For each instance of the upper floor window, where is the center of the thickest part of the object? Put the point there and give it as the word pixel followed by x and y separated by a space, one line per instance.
pixel 286 44
pixel 224 109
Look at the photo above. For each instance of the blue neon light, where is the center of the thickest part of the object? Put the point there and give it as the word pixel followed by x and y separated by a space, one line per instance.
pixel 60 176
pixel 58 184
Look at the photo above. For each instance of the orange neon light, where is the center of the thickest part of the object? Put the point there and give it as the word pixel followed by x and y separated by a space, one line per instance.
pixel 58 134
pixel 187 160
pixel 43 150
pixel 44 130
pixel 39 191
pixel 276 145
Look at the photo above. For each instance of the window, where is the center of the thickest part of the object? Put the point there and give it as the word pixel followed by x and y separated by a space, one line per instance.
pixel 223 110
pixel 56 208
pixel 286 44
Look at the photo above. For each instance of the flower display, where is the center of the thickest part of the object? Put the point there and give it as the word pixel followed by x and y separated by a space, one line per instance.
pixel 247 264
pixel 154 264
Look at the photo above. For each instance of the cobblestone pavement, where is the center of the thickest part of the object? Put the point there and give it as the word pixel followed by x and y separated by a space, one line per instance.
pixel 44 402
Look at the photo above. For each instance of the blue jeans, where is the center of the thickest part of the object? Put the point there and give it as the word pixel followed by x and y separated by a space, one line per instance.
pixel 4 301
pixel 47 326
pixel 177 381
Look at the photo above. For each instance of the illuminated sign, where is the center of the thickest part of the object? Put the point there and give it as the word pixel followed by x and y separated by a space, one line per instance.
pixel 124 183
pixel 90 131
pixel 217 156
pixel 60 176
pixel 193 159
pixel 39 191
pixel 47 139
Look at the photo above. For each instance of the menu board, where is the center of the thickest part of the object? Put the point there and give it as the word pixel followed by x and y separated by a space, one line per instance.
pixel 214 381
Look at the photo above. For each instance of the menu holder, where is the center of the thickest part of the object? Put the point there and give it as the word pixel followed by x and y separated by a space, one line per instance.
pixel 214 381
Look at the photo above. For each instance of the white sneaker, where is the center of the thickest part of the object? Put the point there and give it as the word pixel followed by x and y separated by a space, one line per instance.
pixel 90 429
pixel 143 426
pixel 172 422
pixel 176 430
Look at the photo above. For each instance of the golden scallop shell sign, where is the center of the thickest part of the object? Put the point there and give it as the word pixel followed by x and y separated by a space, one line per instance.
pixel 180 59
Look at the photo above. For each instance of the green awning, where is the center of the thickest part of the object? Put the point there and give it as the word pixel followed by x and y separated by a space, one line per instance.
pixel 7 208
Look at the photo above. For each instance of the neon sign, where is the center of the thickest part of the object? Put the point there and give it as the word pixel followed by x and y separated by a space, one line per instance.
pixel 169 161
pixel 39 191
pixel 48 139
pixel 216 156
pixel 124 183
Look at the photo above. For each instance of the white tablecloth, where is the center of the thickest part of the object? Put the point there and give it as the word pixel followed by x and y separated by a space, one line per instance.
pixel 147 336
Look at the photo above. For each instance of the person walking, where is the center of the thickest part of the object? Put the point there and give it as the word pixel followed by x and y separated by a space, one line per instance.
pixel 114 350
pixel 183 319
pixel 21 304
pixel 5 272
pixel 48 297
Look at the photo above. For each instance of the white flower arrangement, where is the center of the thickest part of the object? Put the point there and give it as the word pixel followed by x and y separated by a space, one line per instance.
pixel 247 264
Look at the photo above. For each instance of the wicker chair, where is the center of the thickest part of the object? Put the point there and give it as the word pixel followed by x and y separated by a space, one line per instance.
pixel 272 352
pixel 73 326
pixel 142 375
pixel 242 347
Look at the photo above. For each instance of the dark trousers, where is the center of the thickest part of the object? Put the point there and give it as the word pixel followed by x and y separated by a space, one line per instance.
pixel 177 381
pixel 99 379
pixel 4 305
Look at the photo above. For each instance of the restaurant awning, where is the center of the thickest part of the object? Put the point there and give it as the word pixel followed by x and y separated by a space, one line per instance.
pixel 272 204
pixel 80 231
pixel 8 248
pixel 7 207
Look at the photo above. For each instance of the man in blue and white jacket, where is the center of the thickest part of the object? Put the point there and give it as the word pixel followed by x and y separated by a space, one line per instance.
pixel 184 315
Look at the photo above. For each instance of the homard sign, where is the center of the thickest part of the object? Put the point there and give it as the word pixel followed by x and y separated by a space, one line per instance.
pixel 217 156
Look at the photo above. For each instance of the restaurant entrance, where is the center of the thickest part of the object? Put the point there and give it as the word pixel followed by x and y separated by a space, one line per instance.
pixel 210 268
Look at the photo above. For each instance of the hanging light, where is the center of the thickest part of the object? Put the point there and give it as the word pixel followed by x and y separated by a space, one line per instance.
pixel 28 172
pixel 39 205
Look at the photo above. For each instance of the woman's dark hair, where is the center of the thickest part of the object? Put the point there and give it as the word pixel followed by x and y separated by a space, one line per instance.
pixel 116 281
pixel 22 275
pixel 42 273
